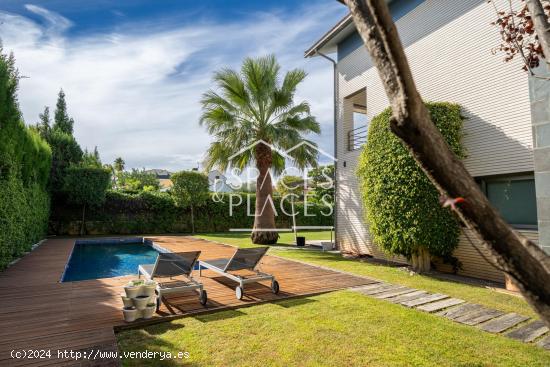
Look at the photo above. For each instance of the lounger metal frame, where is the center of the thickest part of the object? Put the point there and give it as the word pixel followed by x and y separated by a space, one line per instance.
pixel 191 283
pixel 242 280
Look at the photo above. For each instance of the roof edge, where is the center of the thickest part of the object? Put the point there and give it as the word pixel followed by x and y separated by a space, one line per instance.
pixel 342 23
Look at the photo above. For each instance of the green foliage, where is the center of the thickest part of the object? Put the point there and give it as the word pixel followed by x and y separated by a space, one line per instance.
pixel 62 121
pixel 254 104
pixel 402 205
pixel 291 185
pixel 190 188
pixel 137 180
pixel 66 152
pixel 91 159
pixel 25 161
pixel 118 165
pixel 322 179
pixel 157 212
pixel 86 186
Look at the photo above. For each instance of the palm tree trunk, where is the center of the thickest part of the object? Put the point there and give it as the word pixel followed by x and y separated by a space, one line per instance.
pixel 264 215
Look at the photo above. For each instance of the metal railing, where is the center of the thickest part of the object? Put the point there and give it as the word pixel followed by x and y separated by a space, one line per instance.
pixel 357 137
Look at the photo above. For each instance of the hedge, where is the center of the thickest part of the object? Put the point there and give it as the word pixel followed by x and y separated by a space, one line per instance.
pixel 157 212
pixel 402 205
pixel 25 161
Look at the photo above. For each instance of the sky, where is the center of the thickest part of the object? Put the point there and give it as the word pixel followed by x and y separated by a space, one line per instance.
pixel 134 71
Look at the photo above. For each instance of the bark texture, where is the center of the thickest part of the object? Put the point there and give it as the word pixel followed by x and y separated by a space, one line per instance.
pixel 542 28
pixel 522 260
pixel 421 260
pixel 264 218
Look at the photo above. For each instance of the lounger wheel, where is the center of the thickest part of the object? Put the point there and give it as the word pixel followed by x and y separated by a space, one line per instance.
pixel 239 292
pixel 203 297
pixel 275 286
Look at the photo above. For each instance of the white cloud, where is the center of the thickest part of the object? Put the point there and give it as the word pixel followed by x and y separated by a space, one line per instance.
pixel 135 93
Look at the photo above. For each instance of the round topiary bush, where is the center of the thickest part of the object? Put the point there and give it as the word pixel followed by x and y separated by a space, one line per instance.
pixel 402 206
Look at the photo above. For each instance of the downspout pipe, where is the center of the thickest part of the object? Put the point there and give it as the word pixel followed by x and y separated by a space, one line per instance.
pixel 335 93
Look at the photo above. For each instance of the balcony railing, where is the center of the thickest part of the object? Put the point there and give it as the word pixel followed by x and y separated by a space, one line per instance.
pixel 357 137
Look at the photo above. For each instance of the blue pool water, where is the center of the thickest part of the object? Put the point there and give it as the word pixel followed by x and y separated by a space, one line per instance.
pixel 96 259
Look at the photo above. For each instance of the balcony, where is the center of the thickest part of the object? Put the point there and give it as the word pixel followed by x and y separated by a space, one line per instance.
pixel 357 137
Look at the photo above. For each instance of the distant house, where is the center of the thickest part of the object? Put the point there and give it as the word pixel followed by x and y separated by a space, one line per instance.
pixel 218 182
pixel 164 178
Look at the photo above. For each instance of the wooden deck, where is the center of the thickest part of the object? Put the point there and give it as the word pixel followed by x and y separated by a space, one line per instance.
pixel 39 313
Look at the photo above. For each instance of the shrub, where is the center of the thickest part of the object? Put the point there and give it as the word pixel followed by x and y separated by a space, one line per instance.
pixel 190 190
pixel 25 161
pixel 402 206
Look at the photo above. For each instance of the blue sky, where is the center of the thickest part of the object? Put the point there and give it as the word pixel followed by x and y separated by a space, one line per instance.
pixel 133 71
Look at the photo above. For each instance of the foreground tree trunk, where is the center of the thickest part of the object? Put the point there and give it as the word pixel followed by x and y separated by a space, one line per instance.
pixel 542 28
pixel 264 213
pixel 523 261
pixel 421 260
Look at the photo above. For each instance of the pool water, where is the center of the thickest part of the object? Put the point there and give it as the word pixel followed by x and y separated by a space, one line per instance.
pixel 96 260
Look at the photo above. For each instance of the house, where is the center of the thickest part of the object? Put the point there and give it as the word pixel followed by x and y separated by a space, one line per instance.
pixel 163 176
pixel 218 182
pixel 448 45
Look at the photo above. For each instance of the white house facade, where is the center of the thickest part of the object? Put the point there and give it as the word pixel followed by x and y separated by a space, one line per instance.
pixel 448 45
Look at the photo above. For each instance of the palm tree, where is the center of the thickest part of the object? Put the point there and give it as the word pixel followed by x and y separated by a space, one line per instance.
pixel 119 164
pixel 254 108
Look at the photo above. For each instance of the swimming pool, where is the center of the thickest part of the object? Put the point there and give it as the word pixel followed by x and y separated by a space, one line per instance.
pixel 107 258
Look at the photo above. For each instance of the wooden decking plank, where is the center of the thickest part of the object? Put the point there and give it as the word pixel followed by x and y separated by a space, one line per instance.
pixel 503 323
pixel 440 305
pixel 459 311
pixel 544 343
pixel 394 292
pixel 407 297
pixel 479 316
pixel 385 288
pixel 529 332
pixel 422 300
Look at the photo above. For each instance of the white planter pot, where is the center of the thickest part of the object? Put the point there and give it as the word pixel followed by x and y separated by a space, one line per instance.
pixel 148 289
pixel 126 301
pixel 149 310
pixel 140 302
pixel 130 314
pixel 131 291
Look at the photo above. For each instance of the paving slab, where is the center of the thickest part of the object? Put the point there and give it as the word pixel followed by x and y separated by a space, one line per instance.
pixel 544 343
pixel 382 288
pixel 459 311
pixel 529 332
pixel 478 317
pixel 440 305
pixel 503 323
pixel 422 300
pixel 395 292
pixel 407 297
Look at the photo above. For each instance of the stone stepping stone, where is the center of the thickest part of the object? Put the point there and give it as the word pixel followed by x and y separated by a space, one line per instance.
pixel 545 343
pixel 407 297
pixel 422 300
pixel 477 317
pixel 459 311
pixel 395 292
pixel 503 323
pixel 440 305
pixel 529 332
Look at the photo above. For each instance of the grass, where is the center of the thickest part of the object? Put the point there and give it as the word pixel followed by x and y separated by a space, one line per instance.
pixel 335 329
pixel 475 294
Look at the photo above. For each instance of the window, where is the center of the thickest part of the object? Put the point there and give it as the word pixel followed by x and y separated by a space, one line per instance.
pixel 357 113
pixel 515 199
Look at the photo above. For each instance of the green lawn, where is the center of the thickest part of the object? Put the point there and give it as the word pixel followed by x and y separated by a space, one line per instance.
pixel 475 294
pixel 335 329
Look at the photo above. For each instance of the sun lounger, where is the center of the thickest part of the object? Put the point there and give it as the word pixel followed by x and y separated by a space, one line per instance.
pixel 170 265
pixel 242 259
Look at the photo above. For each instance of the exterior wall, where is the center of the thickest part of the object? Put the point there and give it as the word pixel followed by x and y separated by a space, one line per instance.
pixel 448 45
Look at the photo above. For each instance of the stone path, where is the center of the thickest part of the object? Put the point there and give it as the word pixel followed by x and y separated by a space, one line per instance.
pixel 512 325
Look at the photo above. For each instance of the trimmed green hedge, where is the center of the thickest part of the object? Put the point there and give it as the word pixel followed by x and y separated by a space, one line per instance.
pixel 402 205
pixel 156 212
pixel 25 161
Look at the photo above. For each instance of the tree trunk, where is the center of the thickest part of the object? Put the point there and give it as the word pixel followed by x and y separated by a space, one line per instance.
pixel 542 28
pixel 83 220
pixel 192 220
pixel 523 261
pixel 264 218
pixel 421 260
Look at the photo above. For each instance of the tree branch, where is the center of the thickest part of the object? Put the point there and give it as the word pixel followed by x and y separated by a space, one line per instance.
pixel 523 261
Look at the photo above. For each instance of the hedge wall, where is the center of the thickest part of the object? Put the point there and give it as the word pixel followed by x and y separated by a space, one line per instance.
pixel 25 161
pixel 154 213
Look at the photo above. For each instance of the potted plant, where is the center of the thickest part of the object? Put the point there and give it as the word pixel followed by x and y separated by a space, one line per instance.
pixel 127 301
pixel 132 289
pixel 141 301
pixel 149 310
pixel 148 288
pixel 130 313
